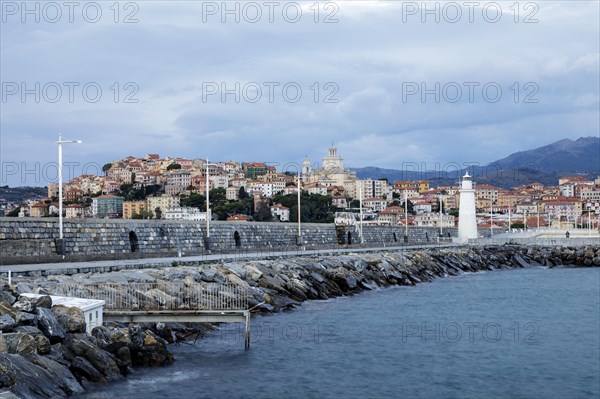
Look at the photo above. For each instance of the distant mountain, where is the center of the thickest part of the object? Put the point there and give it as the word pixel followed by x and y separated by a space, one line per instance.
pixel 579 156
pixel 544 164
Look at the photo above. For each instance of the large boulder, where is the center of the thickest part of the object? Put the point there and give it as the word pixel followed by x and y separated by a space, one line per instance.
pixel 26 319
pixel 7 323
pixel 62 377
pixel 44 385
pixel 25 304
pixel 7 375
pixel 48 324
pixel 17 343
pixel 6 297
pixel 44 301
pixel 80 345
pixel 111 338
pixel 152 351
pixel 7 309
pixel 71 319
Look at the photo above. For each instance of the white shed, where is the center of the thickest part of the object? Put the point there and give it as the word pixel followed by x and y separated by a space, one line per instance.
pixel 92 308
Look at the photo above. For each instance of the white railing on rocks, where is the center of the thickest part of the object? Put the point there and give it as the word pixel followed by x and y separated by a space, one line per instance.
pixel 160 296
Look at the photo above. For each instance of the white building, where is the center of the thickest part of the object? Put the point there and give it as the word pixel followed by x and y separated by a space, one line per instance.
pixel 433 220
pixel 280 212
pixel 421 207
pixel 467 221
pixel 184 213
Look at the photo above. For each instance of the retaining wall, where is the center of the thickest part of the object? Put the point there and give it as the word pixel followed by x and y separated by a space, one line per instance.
pixel 30 240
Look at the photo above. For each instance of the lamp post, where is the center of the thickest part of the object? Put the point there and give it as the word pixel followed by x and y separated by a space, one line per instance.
pixel 361 211
pixel 208 205
pixel 509 216
pixel 60 142
pixel 491 219
pixel 441 216
pixel 299 237
pixel 405 216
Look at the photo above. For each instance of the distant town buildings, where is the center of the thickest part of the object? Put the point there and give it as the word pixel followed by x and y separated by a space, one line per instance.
pixel 107 206
pixel 173 188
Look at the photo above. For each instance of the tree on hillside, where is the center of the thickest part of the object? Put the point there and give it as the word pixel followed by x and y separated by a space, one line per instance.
pixel 243 194
pixel 106 168
pixel 173 166
pixel 263 213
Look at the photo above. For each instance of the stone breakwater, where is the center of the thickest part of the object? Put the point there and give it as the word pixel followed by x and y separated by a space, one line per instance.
pixel 46 353
pixel 49 343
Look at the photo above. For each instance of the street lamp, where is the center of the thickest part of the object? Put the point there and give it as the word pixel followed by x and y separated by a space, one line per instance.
pixel 405 216
pixel 208 205
pixel 60 142
pixel 299 238
pixel 360 204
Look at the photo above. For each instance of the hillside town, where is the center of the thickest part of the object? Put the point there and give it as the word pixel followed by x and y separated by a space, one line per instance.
pixel 153 187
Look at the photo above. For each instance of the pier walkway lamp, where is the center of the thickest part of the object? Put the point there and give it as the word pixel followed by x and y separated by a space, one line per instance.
pixel 405 216
pixel 299 193
pixel 60 142
pixel 207 244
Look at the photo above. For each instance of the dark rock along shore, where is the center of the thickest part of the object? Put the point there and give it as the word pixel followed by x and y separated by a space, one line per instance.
pixel 45 352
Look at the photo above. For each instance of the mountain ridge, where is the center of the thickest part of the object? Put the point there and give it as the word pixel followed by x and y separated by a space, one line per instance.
pixel 543 164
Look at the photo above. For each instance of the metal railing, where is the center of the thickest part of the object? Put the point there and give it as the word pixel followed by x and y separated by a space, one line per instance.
pixel 160 296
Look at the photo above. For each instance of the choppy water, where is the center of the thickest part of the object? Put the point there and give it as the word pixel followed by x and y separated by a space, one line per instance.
pixel 532 333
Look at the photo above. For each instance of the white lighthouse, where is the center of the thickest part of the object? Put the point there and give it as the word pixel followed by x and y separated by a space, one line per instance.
pixel 467 222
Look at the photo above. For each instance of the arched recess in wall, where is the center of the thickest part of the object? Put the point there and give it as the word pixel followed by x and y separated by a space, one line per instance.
pixel 162 232
pixel 395 237
pixel 349 238
pixel 237 239
pixel 133 241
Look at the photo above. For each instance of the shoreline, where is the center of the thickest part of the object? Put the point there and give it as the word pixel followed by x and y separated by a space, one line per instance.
pixel 281 283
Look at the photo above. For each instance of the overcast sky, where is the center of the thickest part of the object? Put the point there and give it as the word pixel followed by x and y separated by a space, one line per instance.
pixel 361 68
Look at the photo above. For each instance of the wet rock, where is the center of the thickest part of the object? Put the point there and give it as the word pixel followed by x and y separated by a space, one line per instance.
pixel 31 330
pixel 17 343
pixel 44 385
pixel 23 288
pixel 520 261
pixel 101 360
pixel 235 268
pixel 62 377
pixel 25 304
pixel 48 324
pixel 71 319
pixel 26 319
pixel 6 298
pixel 44 302
pixel 7 323
pixel 42 344
pixel 7 375
pixel 152 351
pixel 83 370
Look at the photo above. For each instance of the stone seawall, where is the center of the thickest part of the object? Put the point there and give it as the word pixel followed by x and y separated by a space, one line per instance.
pixel 36 240
pixel 63 359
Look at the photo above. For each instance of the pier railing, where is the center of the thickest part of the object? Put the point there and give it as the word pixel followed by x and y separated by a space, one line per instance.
pixel 169 296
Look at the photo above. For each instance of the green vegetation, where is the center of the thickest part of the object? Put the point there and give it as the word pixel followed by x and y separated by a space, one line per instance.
pixel 173 166
pixel 14 213
pixel 130 193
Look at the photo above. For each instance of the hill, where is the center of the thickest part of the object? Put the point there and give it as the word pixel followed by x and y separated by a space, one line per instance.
pixel 544 164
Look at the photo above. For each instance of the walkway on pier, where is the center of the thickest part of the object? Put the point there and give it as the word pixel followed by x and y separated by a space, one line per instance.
pixel 207 258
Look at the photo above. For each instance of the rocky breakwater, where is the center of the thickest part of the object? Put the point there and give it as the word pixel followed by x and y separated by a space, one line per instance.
pixel 52 357
pixel 45 351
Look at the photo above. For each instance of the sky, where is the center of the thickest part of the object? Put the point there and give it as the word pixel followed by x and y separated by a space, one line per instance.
pixel 389 83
